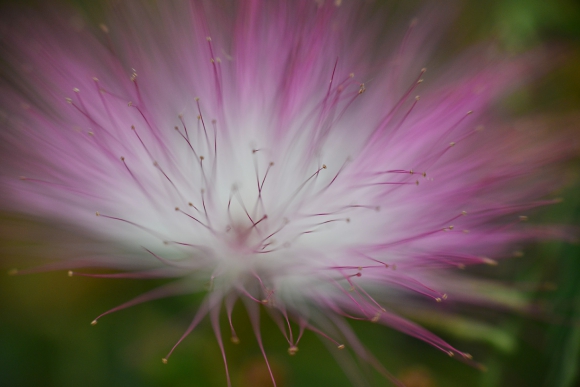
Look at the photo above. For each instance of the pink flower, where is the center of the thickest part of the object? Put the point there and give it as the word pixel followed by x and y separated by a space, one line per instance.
pixel 277 153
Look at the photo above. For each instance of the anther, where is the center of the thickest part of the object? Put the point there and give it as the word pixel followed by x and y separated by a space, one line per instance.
pixel 104 28
pixel 489 261
pixel 68 100
pixel 235 340
pixel 12 271
pixel 292 350
pixel 94 322
pixel 523 218
pixel 122 158
pixel 70 273
pixel 451 144
pixel 341 346
pixel 164 361
pixel 463 212
pixel 97 213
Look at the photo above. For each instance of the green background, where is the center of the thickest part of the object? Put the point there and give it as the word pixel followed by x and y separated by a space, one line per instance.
pixel 46 338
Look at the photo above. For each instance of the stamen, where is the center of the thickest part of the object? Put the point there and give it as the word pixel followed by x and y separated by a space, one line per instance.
pixel 254 313
pixel 186 138
pixel 217 78
pixel 194 218
pixel 315 174
pixel 134 80
pixel 180 116
pixel 215 323
pixel 387 118
pixel 169 290
pixel 201 313
pixel 229 303
pixel 156 165
pixel 148 230
pixel 203 124
pixel 141 141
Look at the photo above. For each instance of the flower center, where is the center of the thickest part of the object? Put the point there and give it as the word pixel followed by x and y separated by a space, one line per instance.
pixel 241 238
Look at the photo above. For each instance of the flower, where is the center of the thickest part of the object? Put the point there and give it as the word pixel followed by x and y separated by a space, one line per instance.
pixel 273 153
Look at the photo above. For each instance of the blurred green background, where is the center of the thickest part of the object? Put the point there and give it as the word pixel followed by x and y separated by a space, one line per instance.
pixel 46 338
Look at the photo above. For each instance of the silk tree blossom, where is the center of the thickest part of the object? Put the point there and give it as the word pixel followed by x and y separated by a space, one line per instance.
pixel 279 155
